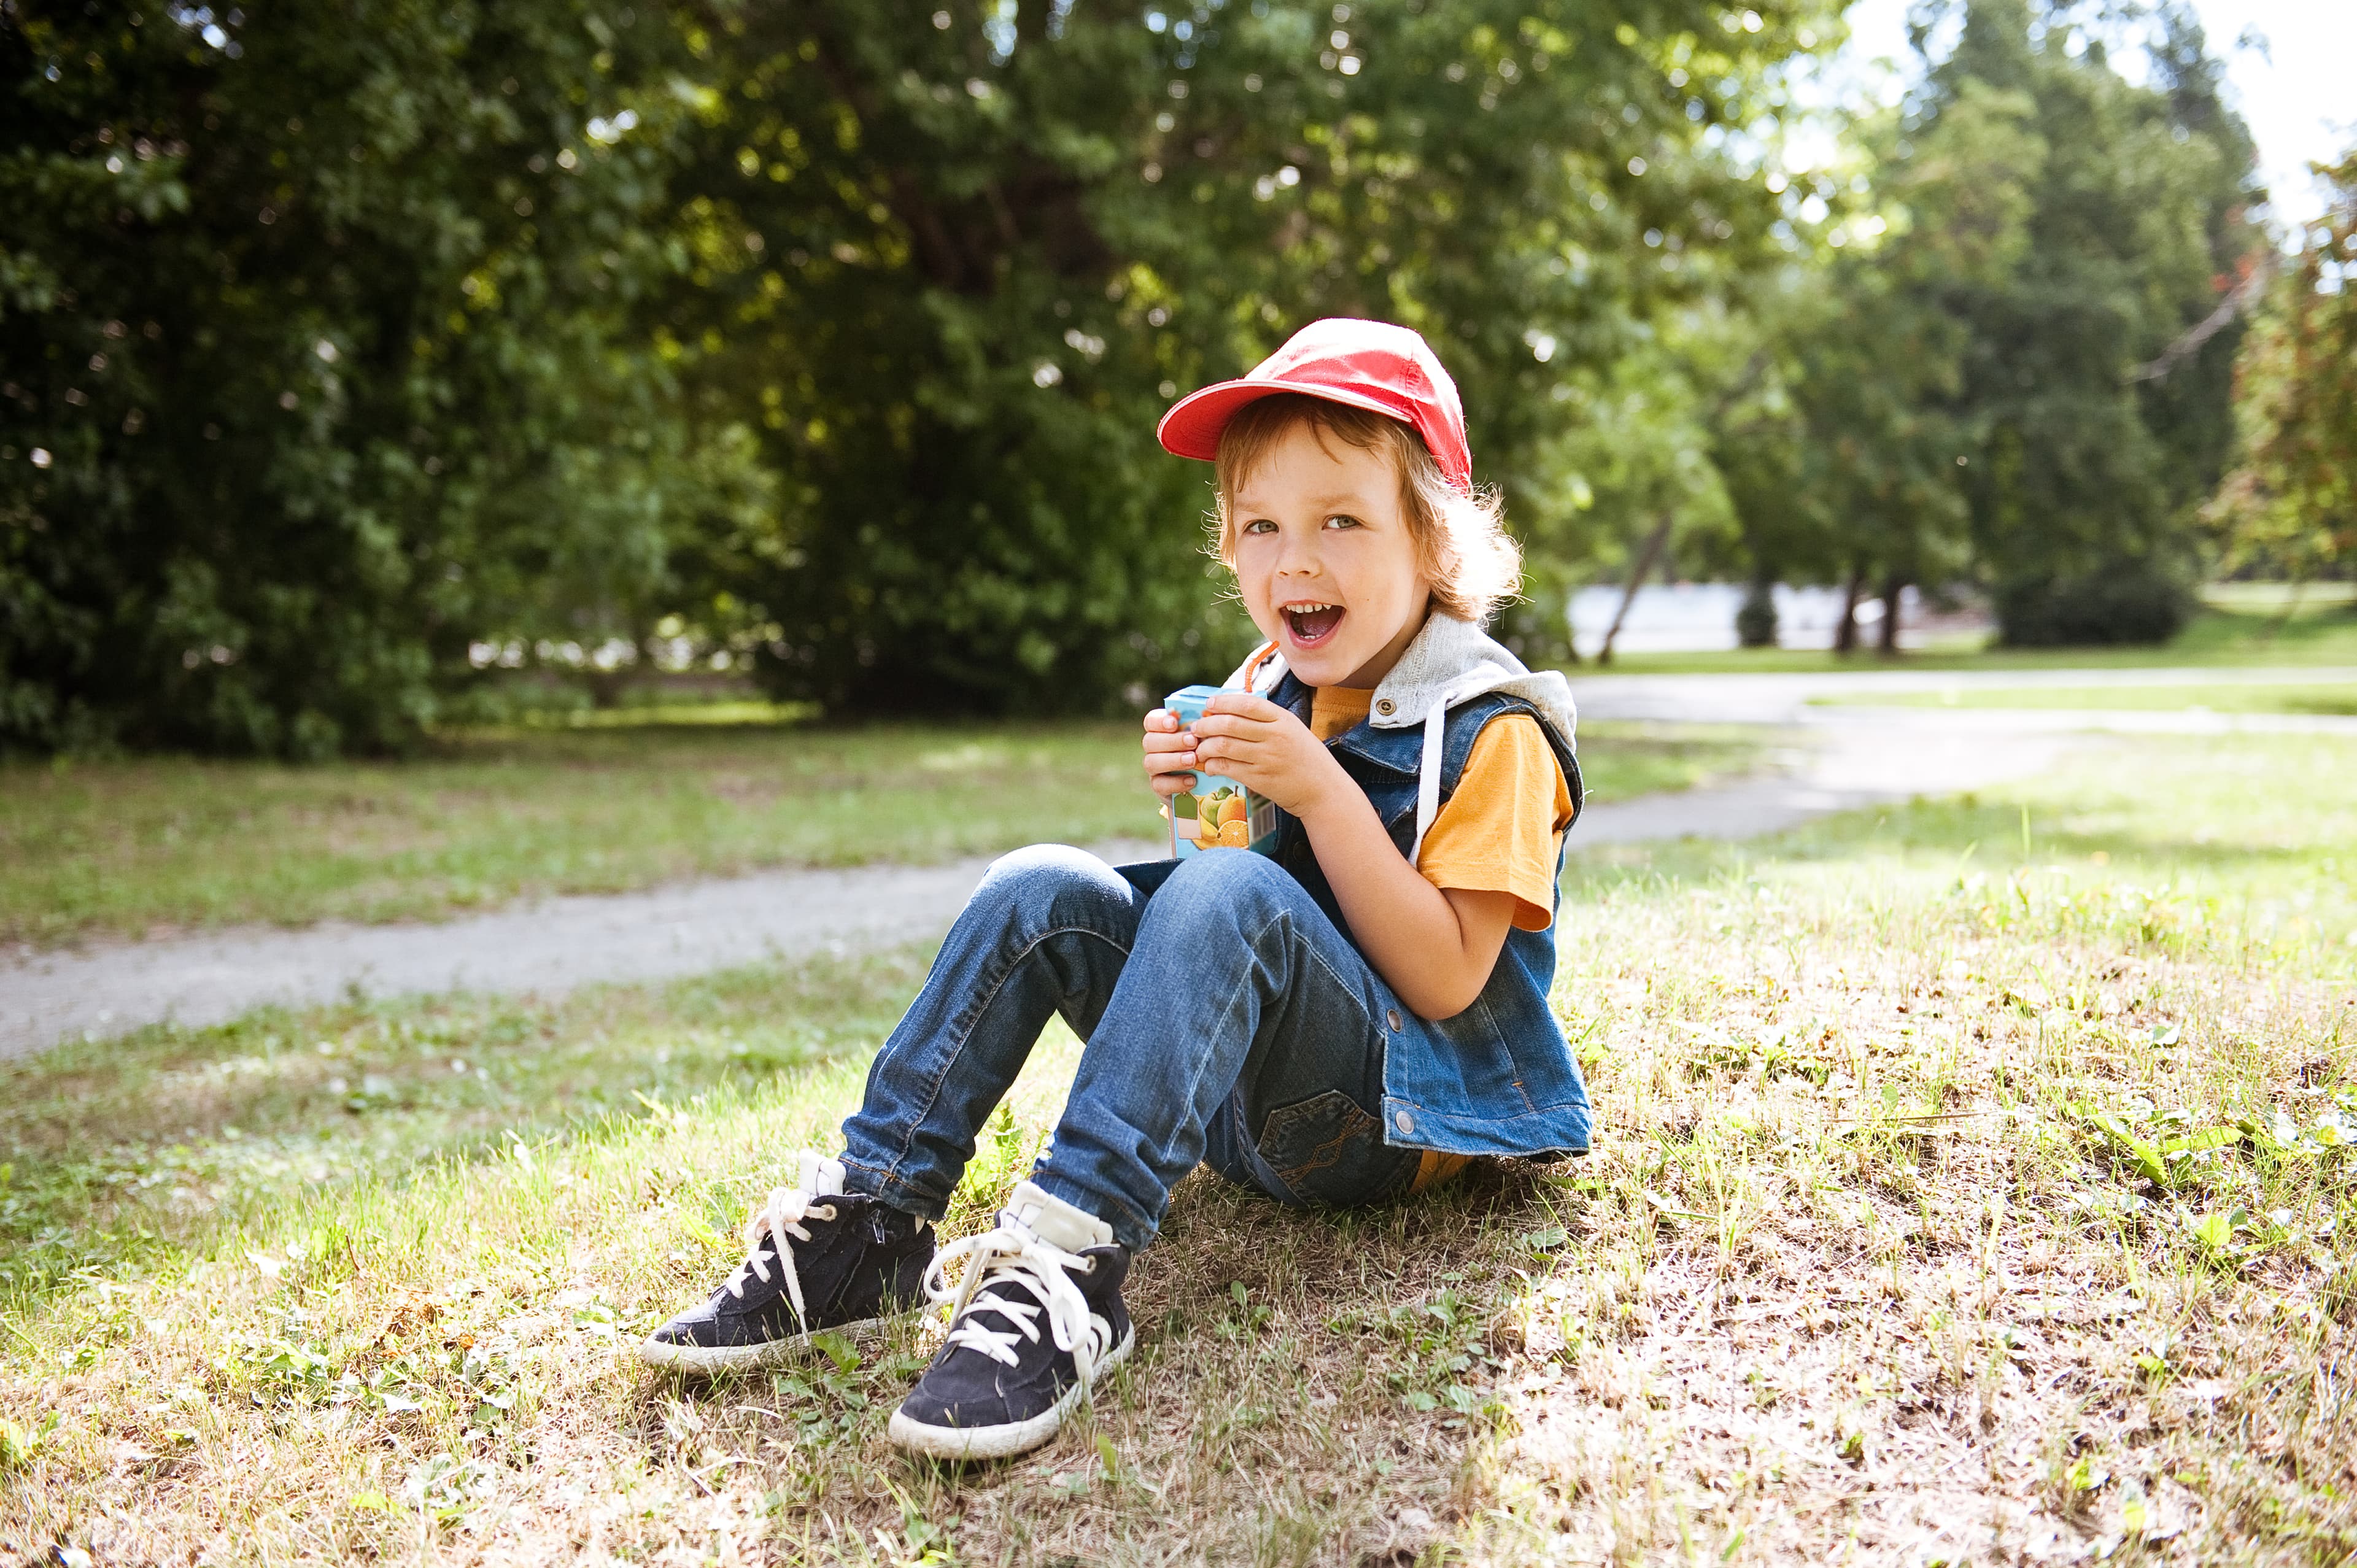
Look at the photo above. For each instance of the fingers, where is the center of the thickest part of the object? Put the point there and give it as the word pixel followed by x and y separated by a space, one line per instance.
pixel 1161 721
pixel 1170 755
pixel 1241 725
pixel 1221 753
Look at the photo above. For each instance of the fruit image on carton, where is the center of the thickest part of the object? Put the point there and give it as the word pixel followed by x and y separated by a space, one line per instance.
pixel 1217 813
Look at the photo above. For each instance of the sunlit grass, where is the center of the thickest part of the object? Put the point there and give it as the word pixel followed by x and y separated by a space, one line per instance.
pixel 131 847
pixel 1867 1261
pixel 2325 697
pixel 2276 598
pixel 2322 629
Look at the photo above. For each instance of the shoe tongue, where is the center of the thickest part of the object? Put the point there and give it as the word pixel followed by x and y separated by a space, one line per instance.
pixel 821 1177
pixel 1060 1224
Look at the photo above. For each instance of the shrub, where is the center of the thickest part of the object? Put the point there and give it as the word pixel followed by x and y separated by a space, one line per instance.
pixel 2132 601
pixel 1755 619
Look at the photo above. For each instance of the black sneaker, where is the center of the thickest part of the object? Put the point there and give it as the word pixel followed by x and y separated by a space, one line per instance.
pixel 820 1259
pixel 1000 1386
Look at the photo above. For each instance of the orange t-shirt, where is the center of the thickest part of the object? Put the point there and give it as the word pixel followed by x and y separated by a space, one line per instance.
pixel 1500 831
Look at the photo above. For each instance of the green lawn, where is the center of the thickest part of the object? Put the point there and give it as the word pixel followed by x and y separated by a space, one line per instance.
pixel 147 846
pixel 1962 1168
pixel 2321 630
pixel 2311 697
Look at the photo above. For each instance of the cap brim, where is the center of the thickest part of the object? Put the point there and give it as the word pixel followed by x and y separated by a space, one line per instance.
pixel 1191 428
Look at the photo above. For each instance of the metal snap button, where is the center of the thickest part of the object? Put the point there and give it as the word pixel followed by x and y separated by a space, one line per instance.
pixel 1384 707
pixel 1391 1016
pixel 1402 1121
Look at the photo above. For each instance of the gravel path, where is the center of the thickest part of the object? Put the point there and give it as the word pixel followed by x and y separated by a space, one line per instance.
pixel 1841 758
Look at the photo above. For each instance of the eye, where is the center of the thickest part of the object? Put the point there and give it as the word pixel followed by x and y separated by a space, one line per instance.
pixel 1342 519
pixel 1260 525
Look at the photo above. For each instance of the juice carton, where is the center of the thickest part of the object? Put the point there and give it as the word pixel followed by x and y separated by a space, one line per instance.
pixel 1218 813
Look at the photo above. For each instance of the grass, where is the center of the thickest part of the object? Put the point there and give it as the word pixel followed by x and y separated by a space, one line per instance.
pixel 2275 599
pixel 2315 697
pixel 151 846
pixel 2320 629
pixel 1973 1182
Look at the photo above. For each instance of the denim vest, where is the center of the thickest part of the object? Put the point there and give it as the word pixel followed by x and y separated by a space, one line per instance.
pixel 1499 1078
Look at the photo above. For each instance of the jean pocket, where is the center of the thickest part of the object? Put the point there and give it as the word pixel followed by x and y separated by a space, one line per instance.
pixel 1326 1149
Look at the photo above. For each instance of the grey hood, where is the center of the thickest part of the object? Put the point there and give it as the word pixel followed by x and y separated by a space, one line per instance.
pixel 1450 661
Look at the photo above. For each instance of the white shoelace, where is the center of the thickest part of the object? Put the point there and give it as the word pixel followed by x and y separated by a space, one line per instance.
pixel 1011 1256
pixel 781 1217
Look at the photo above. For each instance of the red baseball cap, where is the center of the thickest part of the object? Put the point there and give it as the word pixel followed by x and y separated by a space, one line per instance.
pixel 1373 365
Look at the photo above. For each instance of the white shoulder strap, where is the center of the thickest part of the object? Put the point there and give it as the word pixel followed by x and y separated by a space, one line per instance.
pixel 1427 775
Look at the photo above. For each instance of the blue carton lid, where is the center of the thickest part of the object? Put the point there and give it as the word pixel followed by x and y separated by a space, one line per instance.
pixel 1187 702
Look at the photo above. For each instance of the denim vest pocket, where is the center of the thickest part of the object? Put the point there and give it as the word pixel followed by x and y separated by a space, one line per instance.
pixel 1327 1149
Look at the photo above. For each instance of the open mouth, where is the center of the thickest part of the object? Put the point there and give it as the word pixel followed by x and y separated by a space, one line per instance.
pixel 1311 624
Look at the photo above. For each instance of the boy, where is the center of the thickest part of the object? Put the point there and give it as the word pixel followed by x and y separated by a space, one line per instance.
pixel 1343 1021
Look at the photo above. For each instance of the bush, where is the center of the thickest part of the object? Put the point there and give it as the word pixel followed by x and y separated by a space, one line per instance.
pixel 2134 601
pixel 1755 619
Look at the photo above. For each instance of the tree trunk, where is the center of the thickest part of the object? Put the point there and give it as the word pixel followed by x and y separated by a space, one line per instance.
pixel 1846 631
pixel 1888 643
pixel 1646 558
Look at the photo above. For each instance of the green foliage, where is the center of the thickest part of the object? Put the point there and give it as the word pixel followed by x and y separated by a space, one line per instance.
pixel 315 374
pixel 1998 359
pixel 2130 213
pixel 367 353
pixel 363 361
pixel 962 261
pixel 2291 504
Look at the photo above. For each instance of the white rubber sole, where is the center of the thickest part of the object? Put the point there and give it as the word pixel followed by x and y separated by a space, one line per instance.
pixel 999 1442
pixel 739 1357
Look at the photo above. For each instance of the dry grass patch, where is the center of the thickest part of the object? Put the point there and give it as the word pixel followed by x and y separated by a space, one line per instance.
pixel 1960 1198
pixel 1881 1283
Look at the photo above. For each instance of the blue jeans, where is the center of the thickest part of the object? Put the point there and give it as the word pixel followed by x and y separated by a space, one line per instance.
pixel 1227 1020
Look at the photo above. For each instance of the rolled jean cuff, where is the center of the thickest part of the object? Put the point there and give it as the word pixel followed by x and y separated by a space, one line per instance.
pixel 867 1181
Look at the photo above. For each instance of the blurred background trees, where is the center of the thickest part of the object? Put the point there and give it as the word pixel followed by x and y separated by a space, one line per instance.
pixel 2290 505
pixel 359 359
pixel 2011 356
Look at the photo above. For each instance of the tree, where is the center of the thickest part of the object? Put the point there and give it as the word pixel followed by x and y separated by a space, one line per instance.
pixel 316 380
pixel 961 263
pixel 2082 480
pixel 1839 445
pixel 2291 502
pixel 357 353
pixel 2001 344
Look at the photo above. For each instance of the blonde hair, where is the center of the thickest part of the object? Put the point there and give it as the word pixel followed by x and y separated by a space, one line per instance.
pixel 1462 548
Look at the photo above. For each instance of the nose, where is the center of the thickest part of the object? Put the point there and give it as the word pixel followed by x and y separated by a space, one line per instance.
pixel 1296 555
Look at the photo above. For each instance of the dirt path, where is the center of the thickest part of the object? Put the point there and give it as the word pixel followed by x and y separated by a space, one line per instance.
pixel 1840 760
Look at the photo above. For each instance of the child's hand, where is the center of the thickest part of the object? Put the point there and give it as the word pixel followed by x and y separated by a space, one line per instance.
pixel 1170 755
pixel 1268 751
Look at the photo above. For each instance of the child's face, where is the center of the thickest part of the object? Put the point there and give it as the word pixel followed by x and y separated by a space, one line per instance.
pixel 1324 559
